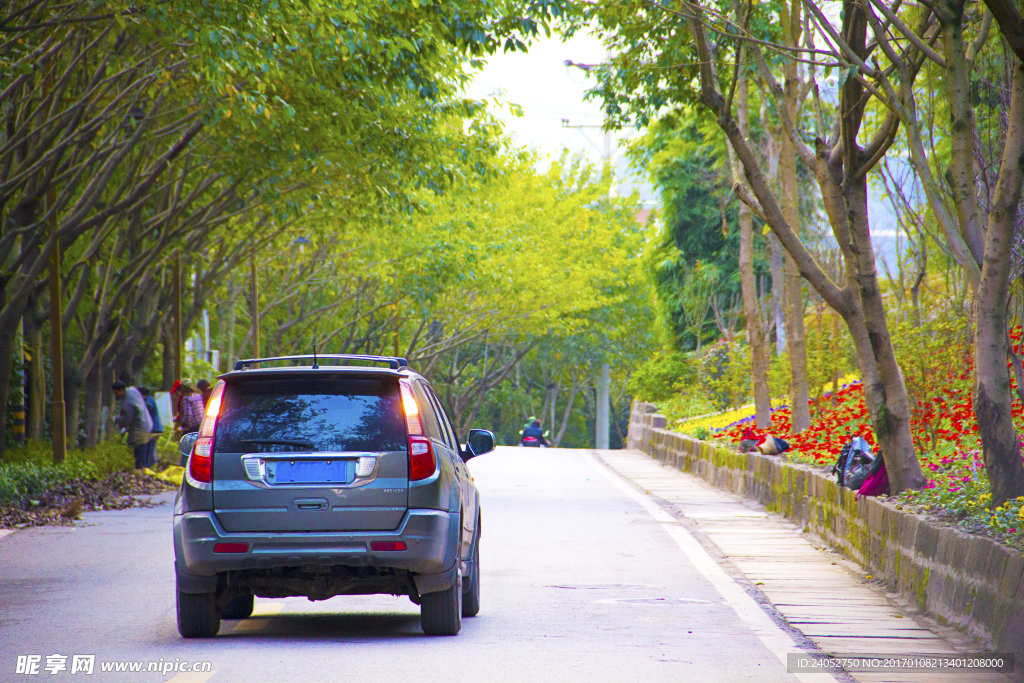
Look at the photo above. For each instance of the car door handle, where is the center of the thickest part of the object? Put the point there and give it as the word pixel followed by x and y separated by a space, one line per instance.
pixel 308 504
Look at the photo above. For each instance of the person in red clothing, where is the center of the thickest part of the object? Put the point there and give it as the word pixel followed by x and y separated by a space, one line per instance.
pixel 190 407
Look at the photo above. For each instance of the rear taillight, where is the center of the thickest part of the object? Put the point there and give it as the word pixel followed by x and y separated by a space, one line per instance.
pixel 200 465
pixel 411 409
pixel 387 546
pixel 231 548
pixel 422 462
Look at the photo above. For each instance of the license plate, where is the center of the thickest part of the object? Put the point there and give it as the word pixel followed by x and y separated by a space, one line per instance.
pixel 314 472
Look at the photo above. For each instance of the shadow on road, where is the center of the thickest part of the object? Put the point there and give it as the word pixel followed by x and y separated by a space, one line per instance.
pixel 324 626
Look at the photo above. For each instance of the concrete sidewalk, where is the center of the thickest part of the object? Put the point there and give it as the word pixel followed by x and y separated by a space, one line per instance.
pixel 830 600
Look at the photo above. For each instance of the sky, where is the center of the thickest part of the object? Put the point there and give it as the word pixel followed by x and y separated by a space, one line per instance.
pixel 549 93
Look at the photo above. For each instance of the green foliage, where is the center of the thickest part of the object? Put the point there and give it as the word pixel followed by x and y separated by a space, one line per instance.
pixel 104 458
pixel 545 265
pixel 695 253
pixel 330 117
pixel 685 405
pixel 830 353
pixel 28 479
pixel 935 357
pixel 701 433
pixel 661 376
pixel 725 374
pixel 29 471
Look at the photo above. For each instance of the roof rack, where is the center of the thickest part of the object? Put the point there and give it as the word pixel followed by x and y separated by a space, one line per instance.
pixel 393 362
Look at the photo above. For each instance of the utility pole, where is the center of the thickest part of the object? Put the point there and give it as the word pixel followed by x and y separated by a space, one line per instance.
pixel 602 424
pixel 176 315
pixel 56 341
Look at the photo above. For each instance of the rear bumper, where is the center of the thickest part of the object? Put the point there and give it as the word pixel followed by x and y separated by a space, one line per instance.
pixel 431 538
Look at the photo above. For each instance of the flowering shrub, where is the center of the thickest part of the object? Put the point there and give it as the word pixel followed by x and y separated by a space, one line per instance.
pixel 820 444
pixel 936 359
pixel 957 489
pixel 710 423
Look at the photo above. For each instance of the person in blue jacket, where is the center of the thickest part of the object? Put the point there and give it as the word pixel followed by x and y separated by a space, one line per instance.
pixel 158 427
pixel 534 429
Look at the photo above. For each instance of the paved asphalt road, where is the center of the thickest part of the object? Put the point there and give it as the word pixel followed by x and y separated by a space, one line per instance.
pixel 580 583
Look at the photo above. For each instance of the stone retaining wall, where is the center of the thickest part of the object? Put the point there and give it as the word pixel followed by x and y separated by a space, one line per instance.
pixel 966 581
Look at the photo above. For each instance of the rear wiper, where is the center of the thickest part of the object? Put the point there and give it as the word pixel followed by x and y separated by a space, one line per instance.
pixel 284 442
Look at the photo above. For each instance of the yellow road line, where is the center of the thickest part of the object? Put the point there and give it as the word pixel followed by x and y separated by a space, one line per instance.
pixel 267 609
pixel 260 617
pixel 192 677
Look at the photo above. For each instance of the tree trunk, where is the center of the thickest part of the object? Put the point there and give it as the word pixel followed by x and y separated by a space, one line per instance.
pixel 93 406
pixel 886 392
pixel 6 367
pixel 992 398
pixel 565 418
pixel 777 260
pixel 759 355
pixel 167 356
pixel 35 417
pixel 796 343
pixel 961 171
pixel 14 302
pixel 72 405
pixel 838 166
pixel 109 429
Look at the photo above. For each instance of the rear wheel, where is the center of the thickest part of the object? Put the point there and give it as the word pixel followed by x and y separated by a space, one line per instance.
pixel 471 594
pixel 441 612
pixel 197 615
pixel 238 607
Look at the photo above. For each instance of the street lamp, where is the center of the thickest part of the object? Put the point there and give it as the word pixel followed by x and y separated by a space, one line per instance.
pixel 606 153
pixel 602 424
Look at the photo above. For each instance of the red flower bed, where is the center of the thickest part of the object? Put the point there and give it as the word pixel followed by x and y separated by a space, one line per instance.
pixel 826 436
pixel 946 418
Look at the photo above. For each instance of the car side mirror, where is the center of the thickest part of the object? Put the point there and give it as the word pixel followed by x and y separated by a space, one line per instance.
pixel 186 444
pixel 480 441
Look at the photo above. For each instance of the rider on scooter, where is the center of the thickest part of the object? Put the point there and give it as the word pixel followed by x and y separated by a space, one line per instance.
pixel 533 430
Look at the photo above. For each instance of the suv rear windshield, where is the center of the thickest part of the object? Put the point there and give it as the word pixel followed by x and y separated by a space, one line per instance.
pixel 324 414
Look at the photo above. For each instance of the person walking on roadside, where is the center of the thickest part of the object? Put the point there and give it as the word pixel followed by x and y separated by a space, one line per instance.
pixel 190 409
pixel 204 388
pixel 158 426
pixel 134 418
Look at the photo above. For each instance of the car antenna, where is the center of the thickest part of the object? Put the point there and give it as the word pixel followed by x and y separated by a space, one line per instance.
pixel 316 366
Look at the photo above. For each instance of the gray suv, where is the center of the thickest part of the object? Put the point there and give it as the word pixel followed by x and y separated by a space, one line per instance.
pixel 330 475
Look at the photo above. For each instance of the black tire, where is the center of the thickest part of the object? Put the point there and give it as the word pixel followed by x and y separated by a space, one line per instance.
pixel 441 612
pixel 238 607
pixel 197 615
pixel 471 592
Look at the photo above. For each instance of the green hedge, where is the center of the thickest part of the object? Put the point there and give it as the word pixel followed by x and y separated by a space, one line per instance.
pixel 29 471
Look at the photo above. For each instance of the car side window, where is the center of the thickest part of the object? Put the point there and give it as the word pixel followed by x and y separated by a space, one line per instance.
pixel 438 414
pixel 428 413
pixel 445 423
